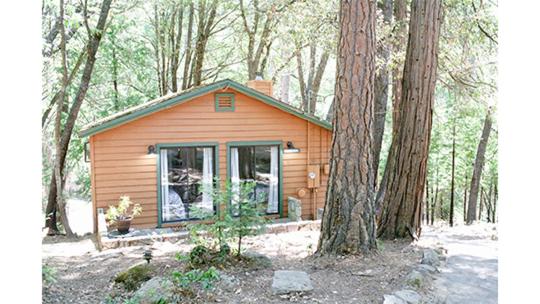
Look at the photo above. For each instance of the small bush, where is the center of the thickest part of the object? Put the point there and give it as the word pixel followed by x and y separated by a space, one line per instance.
pixel 186 281
pixel 48 274
pixel 239 216
pixel 132 278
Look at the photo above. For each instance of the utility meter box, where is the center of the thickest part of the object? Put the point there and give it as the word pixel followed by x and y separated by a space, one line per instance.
pixel 314 176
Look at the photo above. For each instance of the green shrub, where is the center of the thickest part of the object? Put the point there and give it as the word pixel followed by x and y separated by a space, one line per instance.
pixel 239 216
pixel 48 274
pixel 186 281
pixel 132 278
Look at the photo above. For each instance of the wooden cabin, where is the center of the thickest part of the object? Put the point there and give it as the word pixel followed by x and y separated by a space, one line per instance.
pixel 162 153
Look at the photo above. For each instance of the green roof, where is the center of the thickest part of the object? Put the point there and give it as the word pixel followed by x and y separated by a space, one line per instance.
pixel 175 99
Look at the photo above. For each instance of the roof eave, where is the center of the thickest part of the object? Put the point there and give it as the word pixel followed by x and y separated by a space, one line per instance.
pixel 196 93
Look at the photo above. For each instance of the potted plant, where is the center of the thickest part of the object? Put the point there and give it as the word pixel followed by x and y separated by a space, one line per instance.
pixel 122 214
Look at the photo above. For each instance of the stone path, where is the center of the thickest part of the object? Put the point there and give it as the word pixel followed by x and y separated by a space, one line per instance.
pixel 470 274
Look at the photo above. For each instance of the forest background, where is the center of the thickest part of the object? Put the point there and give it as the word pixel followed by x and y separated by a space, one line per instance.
pixel 22 78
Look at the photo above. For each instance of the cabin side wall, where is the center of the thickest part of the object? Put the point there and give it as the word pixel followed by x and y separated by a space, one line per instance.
pixel 122 166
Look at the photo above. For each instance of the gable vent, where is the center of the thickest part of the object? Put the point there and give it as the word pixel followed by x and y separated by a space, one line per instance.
pixel 224 102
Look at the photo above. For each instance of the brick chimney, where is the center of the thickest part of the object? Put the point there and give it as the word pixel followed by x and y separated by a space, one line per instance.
pixel 263 86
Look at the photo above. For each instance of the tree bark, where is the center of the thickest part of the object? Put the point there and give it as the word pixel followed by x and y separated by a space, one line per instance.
pixel 187 76
pixel 400 32
pixel 348 223
pixel 400 20
pixel 309 89
pixel 93 45
pixel 452 185
pixel 382 80
pixel 408 154
pixel 54 100
pixel 206 22
pixel 477 171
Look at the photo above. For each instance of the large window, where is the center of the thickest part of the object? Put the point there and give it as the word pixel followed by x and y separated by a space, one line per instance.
pixel 187 173
pixel 258 164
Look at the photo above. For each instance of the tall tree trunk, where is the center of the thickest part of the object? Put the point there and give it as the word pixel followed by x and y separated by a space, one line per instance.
pixel 175 38
pixel 408 155
pixel 452 186
pixel 478 166
pixel 381 88
pixel 206 23
pixel 400 32
pixel 93 45
pixel 309 89
pixel 187 76
pixel 400 20
pixel 58 169
pixel 348 223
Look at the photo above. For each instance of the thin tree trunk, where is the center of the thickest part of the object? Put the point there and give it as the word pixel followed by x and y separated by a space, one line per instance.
pixel 54 100
pixel 408 154
pixel 58 127
pixel 115 80
pixel 93 45
pixel 203 33
pixel 482 197
pixel 348 223
pixel 477 171
pixel 382 81
pixel 187 76
pixel 495 198
pixel 175 44
pixel 452 186
pixel 427 201
pixel 434 205
pixel 465 199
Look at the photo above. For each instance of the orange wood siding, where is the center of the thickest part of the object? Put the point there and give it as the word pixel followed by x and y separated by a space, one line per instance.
pixel 121 165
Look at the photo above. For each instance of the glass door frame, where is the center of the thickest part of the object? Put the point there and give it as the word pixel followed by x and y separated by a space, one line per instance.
pixel 235 144
pixel 214 145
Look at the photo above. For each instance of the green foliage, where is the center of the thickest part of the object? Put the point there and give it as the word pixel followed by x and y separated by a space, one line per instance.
pixel 123 211
pixel 132 278
pixel 239 217
pixel 48 274
pixel 186 281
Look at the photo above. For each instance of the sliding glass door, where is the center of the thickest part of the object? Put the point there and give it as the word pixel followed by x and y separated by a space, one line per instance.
pixel 187 175
pixel 258 164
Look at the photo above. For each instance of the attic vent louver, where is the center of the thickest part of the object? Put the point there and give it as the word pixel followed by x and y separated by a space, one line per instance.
pixel 224 102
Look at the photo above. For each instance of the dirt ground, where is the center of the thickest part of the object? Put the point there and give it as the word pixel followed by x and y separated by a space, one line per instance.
pixel 84 275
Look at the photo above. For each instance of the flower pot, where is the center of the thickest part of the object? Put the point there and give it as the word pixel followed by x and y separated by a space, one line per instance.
pixel 123 225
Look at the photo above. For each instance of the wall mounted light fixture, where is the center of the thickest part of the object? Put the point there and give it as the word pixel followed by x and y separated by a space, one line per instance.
pixel 151 149
pixel 290 148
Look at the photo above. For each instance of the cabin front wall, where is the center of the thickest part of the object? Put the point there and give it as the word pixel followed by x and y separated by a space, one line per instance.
pixel 121 165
